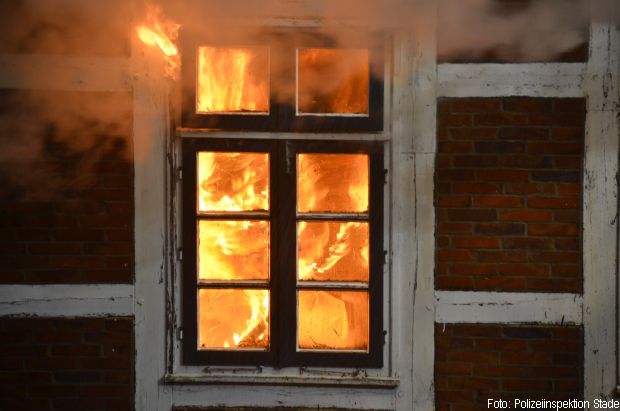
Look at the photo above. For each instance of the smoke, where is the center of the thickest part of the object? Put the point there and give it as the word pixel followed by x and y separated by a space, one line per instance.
pixel 57 143
pixel 56 139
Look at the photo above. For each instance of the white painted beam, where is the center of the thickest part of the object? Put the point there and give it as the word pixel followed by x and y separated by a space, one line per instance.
pixel 507 307
pixel 600 214
pixel 500 80
pixel 66 300
pixel 43 72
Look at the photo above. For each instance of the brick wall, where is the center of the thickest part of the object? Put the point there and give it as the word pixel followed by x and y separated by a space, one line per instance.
pixel 477 362
pixel 66 364
pixel 66 202
pixel 508 194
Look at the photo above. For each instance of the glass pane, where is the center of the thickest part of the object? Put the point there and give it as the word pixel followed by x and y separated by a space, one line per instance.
pixel 332 251
pixel 335 320
pixel 233 80
pixel 233 250
pixel 233 181
pixel 332 183
pixel 332 81
pixel 231 318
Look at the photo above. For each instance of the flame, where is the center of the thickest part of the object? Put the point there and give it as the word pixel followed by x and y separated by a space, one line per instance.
pixel 333 81
pixel 233 250
pixel 160 32
pixel 233 181
pixel 333 320
pixel 333 251
pixel 233 318
pixel 332 183
pixel 233 80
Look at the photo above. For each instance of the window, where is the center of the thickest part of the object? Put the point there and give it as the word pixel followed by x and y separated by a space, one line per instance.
pixel 283 252
pixel 304 83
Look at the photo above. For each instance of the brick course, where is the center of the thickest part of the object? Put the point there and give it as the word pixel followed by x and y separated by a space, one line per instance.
pixel 474 362
pixel 66 202
pixel 66 364
pixel 508 194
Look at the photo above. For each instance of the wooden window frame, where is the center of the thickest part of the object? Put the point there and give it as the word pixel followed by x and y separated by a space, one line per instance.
pixel 282 115
pixel 283 287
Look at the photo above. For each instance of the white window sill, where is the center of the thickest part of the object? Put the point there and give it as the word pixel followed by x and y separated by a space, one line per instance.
pixel 334 381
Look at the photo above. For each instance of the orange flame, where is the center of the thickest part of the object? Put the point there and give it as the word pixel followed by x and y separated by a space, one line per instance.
pixel 333 81
pixel 160 32
pixel 233 250
pixel 233 80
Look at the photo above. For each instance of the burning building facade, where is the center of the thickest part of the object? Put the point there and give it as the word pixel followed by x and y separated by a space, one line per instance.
pixel 307 206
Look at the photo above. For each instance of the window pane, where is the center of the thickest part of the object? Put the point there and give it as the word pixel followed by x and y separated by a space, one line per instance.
pixel 333 320
pixel 332 183
pixel 332 251
pixel 231 318
pixel 332 81
pixel 233 181
pixel 233 80
pixel 233 250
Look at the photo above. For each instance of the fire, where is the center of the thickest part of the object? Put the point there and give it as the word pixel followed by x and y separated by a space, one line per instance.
pixel 233 249
pixel 160 32
pixel 333 81
pixel 333 320
pixel 233 181
pixel 334 251
pixel 233 80
pixel 332 183
pixel 233 318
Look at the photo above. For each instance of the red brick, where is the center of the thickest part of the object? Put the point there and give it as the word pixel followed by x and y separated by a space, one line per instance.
pixel 539 358
pixel 454 283
pixel 456 255
pixel 473 269
pixel 553 230
pixel 455 175
pixel 455 228
pixel 475 242
pixel 528 162
pixel 498 201
pixel 567 133
pixel 524 270
pixel 525 215
pixel 500 283
pixel 498 371
pixel 454 368
pixel 469 133
pixel 553 202
pixel 527 105
pixel 476 188
pixel 524 133
pixel 503 175
pixel 527 385
pixel 475 161
pixel 454 147
pixel 453 201
pixel 556 119
pixel 499 228
pixel 455 120
pixel 471 215
pixel 571 105
pixel 502 256
pixel 530 188
pixel 492 147
pixel 500 119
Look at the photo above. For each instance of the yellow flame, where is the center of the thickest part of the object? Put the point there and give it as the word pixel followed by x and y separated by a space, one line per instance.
pixel 232 80
pixel 161 32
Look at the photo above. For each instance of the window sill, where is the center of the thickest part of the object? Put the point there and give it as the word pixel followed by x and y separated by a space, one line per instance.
pixel 296 380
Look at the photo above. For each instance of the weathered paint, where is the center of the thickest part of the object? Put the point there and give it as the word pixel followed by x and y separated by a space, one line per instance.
pixel 600 214
pixel 494 80
pixel 504 307
pixel 54 300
